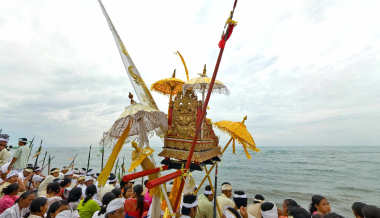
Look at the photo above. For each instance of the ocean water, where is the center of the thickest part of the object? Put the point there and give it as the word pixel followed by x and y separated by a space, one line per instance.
pixel 343 174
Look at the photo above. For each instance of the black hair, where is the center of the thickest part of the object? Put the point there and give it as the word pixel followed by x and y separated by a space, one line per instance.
pixel 138 190
pixel 315 200
pixel 258 197
pixel 54 207
pixel 24 196
pixel 357 208
pixel 145 182
pixel 291 203
pixel 226 183
pixel 370 211
pixel 234 212
pixel 189 199
pixel 107 198
pixel 298 212
pixel 10 189
pixel 65 182
pixel 74 195
pixel 333 215
pixel 239 202
pixel 207 188
pixel 90 192
pixel 267 206
pixel 36 204
pixel 53 187
pixel 116 192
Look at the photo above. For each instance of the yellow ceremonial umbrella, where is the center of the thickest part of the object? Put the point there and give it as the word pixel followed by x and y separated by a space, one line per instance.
pixel 238 131
pixel 169 86
pixel 202 83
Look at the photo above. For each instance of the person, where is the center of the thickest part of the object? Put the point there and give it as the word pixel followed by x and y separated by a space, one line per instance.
pixel 297 212
pixel 254 208
pixel 25 176
pixel 53 191
pixel 109 186
pixel 64 170
pixel 42 189
pixel 205 205
pixel 20 157
pixel 12 177
pixel 56 208
pixel 136 205
pixel 107 198
pixel 269 210
pixel 65 185
pixel 21 207
pixel 5 155
pixel 126 189
pixel 87 207
pixel 224 199
pixel 10 196
pixel 240 210
pixel 286 205
pixel 74 198
pixel 319 206
pixel 115 208
pixel 147 195
pixel 370 211
pixel 357 209
pixel 189 206
pixel 38 207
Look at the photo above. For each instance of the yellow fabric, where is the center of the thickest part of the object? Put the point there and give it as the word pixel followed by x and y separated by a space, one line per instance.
pixel 238 131
pixel 102 179
pixel 184 64
pixel 139 159
pixel 168 86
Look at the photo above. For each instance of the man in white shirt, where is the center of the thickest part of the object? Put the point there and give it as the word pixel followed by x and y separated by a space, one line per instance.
pixel 5 155
pixel 225 199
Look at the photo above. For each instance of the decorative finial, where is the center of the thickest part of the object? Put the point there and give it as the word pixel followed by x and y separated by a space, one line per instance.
pixel 244 119
pixel 173 76
pixel 204 71
pixel 130 96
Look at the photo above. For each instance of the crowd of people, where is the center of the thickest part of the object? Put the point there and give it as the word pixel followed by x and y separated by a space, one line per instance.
pixel 71 192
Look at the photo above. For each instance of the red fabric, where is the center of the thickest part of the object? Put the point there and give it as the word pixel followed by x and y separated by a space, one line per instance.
pixel 7 201
pixel 130 208
pixel 225 37
pixel 170 115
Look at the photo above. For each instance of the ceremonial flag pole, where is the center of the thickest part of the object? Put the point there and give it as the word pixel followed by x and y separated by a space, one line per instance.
pixel 43 160
pixel 37 154
pixel 30 148
pixel 88 159
pixel 230 24
pixel 49 162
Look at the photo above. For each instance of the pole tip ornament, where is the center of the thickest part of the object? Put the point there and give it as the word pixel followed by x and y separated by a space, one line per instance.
pixel 173 76
pixel 204 71
pixel 130 96
pixel 244 119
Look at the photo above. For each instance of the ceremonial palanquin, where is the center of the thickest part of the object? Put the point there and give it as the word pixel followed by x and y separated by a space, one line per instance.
pixel 183 114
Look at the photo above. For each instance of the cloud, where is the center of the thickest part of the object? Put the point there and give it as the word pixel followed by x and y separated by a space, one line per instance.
pixel 305 72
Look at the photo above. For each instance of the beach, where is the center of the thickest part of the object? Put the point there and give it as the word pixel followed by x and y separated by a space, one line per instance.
pixel 344 174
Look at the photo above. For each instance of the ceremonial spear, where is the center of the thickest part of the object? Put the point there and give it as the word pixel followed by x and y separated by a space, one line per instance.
pixel 37 154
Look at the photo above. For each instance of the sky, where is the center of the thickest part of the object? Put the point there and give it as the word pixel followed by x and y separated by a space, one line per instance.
pixel 305 72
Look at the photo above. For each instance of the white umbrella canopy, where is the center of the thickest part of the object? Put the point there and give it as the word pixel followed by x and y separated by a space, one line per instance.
pixel 145 119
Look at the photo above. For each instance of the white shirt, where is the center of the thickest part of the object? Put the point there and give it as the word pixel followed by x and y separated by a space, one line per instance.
pixel 67 214
pixel 14 212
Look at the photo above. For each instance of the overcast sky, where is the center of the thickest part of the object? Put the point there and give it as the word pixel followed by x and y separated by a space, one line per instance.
pixel 306 72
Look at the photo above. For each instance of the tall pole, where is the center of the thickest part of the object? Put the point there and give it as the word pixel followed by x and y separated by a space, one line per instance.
pixel 88 159
pixel 102 157
pixel 38 154
pixel 49 162
pixel 199 122
pixel 43 160
pixel 215 188
pixel 30 148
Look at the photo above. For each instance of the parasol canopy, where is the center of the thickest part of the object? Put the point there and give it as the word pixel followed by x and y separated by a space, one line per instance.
pixel 201 84
pixel 168 86
pixel 238 131
pixel 144 120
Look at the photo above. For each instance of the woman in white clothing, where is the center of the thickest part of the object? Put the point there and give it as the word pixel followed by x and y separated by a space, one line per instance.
pixel 21 206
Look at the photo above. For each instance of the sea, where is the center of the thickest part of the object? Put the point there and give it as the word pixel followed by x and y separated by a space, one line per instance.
pixel 343 174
